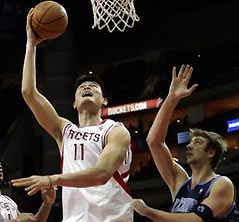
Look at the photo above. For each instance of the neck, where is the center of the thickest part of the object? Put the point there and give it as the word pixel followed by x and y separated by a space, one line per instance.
pixel 89 119
pixel 202 174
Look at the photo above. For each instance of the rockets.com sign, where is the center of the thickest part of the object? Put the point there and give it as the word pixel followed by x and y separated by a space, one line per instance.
pixel 132 107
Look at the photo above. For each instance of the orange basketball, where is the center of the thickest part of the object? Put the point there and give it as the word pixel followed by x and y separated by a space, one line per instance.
pixel 49 20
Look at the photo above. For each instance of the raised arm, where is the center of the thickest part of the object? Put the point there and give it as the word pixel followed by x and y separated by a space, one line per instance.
pixel 39 105
pixel 172 173
pixel 110 160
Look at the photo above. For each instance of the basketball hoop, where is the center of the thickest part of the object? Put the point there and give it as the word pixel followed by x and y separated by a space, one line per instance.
pixel 114 14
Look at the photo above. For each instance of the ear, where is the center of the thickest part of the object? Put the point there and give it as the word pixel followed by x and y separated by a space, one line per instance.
pixel 211 153
pixel 105 101
pixel 74 105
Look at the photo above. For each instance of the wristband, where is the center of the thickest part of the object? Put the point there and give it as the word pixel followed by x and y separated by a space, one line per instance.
pixel 204 212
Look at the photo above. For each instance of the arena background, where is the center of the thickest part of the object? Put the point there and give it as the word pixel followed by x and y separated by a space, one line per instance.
pixel 135 66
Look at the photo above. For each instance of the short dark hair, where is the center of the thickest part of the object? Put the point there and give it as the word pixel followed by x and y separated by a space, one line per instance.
pixel 91 78
pixel 214 141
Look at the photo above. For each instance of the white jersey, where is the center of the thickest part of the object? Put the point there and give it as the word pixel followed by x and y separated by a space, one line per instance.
pixel 8 209
pixel 110 202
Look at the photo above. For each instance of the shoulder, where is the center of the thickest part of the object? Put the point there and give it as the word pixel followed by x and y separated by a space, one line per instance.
pixel 223 181
pixel 116 127
pixel 223 184
pixel 119 134
pixel 119 130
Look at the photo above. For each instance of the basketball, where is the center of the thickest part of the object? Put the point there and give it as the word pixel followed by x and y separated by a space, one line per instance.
pixel 49 20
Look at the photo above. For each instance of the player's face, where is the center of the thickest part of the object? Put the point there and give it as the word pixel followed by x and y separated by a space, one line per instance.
pixel 88 94
pixel 196 153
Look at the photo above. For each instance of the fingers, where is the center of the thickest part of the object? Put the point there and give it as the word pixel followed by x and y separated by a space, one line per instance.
pixel 22 182
pixel 188 74
pixel 181 71
pixel 29 15
pixel 30 184
pixel 33 191
pixel 31 187
pixel 186 71
pixel 192 88
pixel 174 73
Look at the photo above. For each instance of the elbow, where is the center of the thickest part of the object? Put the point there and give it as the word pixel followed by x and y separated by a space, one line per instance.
pixel 150 140
pixel 27 93
pixel 154 142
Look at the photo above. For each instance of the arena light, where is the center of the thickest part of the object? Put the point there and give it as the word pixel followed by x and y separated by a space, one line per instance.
pixel 233 125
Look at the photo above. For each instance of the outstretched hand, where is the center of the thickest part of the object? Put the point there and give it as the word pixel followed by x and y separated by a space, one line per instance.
pixel 179 84
pixel 33 184
pixel 31 36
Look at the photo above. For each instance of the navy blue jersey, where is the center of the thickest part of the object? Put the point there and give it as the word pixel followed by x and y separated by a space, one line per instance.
pixel 187 199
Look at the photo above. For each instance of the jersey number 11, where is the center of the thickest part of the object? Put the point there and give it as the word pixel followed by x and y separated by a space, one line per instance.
pixel 79 151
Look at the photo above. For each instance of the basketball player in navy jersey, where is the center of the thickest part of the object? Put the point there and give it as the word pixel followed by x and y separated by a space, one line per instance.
pixel 205 196
pixel 9 210
pixel 95 153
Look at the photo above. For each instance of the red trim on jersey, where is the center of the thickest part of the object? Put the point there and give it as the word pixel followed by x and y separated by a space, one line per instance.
pixel 62 157
pixel 102 141
pixel 62 148
pixel 125 174
pixel 121 182
pixel 64 130
pixel 103 121
pixel 104 136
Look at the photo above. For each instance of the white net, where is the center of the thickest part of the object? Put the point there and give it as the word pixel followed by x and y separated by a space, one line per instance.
pixel 114 14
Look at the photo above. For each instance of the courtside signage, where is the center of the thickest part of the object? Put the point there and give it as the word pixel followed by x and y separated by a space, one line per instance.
pixel 132 107
pixel 233 125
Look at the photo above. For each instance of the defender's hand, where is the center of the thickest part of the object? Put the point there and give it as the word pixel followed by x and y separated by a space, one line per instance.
pixel 179 83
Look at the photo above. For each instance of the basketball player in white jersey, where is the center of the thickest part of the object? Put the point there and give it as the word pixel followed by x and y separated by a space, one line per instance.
pixel 205 196
pixel 95 153
pixel 9 210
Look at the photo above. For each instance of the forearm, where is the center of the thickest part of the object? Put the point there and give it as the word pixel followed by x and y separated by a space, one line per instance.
pixel 162 216
pixel 29 70
pixel 43 212
pixel 159 128
pixel 85 178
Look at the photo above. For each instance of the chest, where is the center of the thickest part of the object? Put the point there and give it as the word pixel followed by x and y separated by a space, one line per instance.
pixel 188 198
pixel 84 144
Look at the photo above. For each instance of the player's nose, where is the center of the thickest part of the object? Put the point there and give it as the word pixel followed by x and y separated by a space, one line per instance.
pixel 87 87
pixel 188 147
